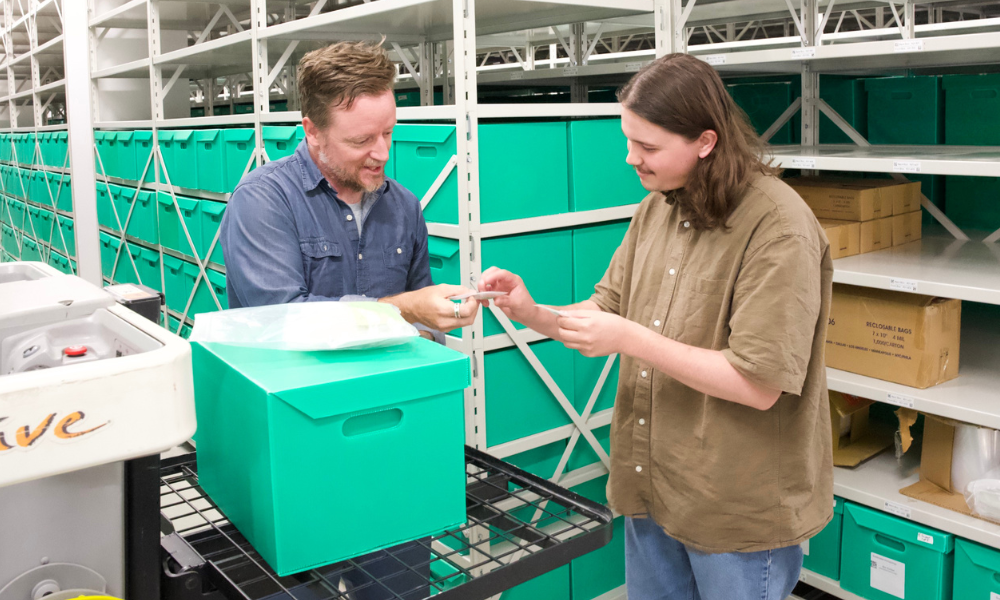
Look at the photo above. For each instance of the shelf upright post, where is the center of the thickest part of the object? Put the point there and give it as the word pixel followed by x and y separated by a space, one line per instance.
pixel 577 43
pixel 668 26
pixel 810 79
pixel 261 71
pixel 77 52
pixel 447 70
pixel 8 34
pixel 36 74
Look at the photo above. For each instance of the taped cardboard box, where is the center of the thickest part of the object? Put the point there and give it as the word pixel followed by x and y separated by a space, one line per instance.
pixel 908 339
pixel 852 199
pixel 905 195
pixel 844 237
pixel 855 437
pixel 907 227
pixel 876 235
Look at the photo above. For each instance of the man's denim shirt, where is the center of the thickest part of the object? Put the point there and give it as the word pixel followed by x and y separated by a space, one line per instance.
pixel 286 237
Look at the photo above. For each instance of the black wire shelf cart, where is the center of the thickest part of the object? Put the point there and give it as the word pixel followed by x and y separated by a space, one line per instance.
pixel 519 527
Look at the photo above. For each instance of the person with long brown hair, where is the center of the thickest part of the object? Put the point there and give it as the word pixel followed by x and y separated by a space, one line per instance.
pixel 717 301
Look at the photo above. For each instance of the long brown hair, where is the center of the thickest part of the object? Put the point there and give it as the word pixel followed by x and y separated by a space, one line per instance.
pixel 686 96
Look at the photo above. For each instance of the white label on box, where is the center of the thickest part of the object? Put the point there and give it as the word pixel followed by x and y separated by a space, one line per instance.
pixel 715 59
pixel 888 576
pixel 908 46
pixel 994 596
pixel 906 166
pixel 897 509
pixel 798 53
pixel 802 163
pixel 805 548
pixel 923 537
pixel 632 67
pixel 517 75
pixel 570 71
pixel 902 285
pixel 899 400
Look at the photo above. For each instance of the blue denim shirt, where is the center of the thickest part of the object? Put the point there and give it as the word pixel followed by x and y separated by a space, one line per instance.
pixel 286 237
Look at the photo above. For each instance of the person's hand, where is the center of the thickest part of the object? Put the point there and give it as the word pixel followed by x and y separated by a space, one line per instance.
pixel 593 332
pixel 518 304
pixel 431 306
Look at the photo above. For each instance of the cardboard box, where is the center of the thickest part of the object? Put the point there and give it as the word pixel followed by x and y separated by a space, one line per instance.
pixel 905 195
pixel 844 237
pixel 876 235
pixel 848 199
pixel 855 439
pixel 904 338
pixel 906 227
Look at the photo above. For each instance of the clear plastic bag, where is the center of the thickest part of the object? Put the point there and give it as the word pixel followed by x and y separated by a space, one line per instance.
pixel 983 496
pixel 976 452
pixel 306 326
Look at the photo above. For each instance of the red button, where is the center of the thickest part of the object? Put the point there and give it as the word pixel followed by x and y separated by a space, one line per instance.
pixel 75 350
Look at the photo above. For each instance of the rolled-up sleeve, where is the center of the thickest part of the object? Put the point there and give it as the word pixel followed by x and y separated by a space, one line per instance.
pixel 261 246
pixel 776 301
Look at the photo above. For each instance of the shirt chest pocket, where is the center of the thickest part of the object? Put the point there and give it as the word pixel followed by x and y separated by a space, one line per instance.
pixel 397 259
pixel 323 265
pixel 699 311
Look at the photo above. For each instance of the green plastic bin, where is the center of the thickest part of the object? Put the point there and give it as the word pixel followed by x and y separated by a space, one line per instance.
pixel 588 371
pixel 121 199
pixel 105 206
pixel 58 149
pixel 47 225
pixel 545 262
pixel 22 183
pixel 35 228
pixel 553 585
pixel 243 109
pixel 822 552
pixel 211 156
pixel 128 269
pixel 419 153
pixel 30 250
pixel 601 571
pixel 39 188
pixel 599 175
pixel 584 455
pixel 56 260
pixel 203 302
pixel 239 147
pixel 764 103
pixel 170 229
pixel 847 96
pixel 977 571
pixel 149 268
pixel 26 154
pixel 61 187
pixel 408 98
pixel 107 254
pixel 143 221
pixel 535 192
pixel 19 212
pixel 414 428
pixel 211 218
pixel 133 149
pixel 7 239
pixel 66 238
pixel 180 157
pixel 542 461
pixel 905 110
pixel 518 403
pixel 444 260
pixel 972 109
pixel 887 558
pixel 281 140
pixel 5 147
pixel 595 490
pixel 177 287
pixel 593 248
pixel 107 153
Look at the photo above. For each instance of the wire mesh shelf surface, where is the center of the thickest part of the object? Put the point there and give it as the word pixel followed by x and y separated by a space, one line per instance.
pixel 518 527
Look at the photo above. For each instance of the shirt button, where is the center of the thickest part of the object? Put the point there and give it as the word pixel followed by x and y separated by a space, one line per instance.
pixel 324 246
pixel 638 469
pixel 687 223
pixel 644 374
pixel 671 271
pixel 656 323
pixel 360 257
pixel 350 217
pixel 642 421
pixel 399 250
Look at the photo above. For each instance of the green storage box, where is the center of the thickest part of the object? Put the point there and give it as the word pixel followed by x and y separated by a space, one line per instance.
pixel 39 190
pixel 972 109
pixel 59 149
pixel 279 105
pixel 408 98
pixel 127 270
pixel 143 221
pixel 281 140
pixel 20 214
pixel 544 260
pixel 822 552
pixel 973 202
pixel 106 163
pixel 5 147
pixel 26 154
pixel 22 182
pixel 107 254
pixel 584 455
pixel 243 109
pixel 143 150
pixel 847 96
pixel 180 157
pixel 222 109
pixel 553 585
pixel 887 558
pixel 32 224
pixel 764 103
pixel 601 571
pixel 105 206
pixel 314 412
pixel 599 175
pixel 121 198
pixel 542 461
pixel 595 490
pixel 444 260
pixel 9 241
pixel 518 403
pixel 977 571
pixel 239 147
pixel 203 302
pixel 593 248
pixel 46 225
pixel 170 229
pixel 211 155
pixel 67 235
pixel 55 260
pixel 536 192
pixel 125 156
pixel 30 250
pixel 176 285
pixel 211 218
pixel 149 269
pixel 587 372
pixel 419 153
pixel 905 110
pixel 61 187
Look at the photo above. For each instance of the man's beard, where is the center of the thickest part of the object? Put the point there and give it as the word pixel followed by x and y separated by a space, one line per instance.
pixel 351 180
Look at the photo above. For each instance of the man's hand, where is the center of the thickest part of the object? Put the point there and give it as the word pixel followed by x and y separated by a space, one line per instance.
pixel 431 306
pixel 593 332
pixel 518 304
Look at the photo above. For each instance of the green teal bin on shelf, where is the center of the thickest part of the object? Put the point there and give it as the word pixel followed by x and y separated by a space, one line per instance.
pixel 107 254
pixel 203 302
pixel 143 155
pixel 593 248
pixel 243 109
pixel 5 151
pixel 971 109
pixel 48 225
pixel 408 98
pixel 764 103
pixel 58 149
pixel 239 147
pixel 142 224
pixel 584 455
pixel 905 110
pixel 283 399
pixel 444 261
pixel 67 235
pixel 169 224
pixel 845 95
pixel 180 157
pixel 59 261
pixel 599 175
pixel 518 403
pixel 601 571
pixel 19 212
pixel 129 258
pixel 34 225
pixel 595 490
pixel 973 202
pixel 822 552
pixel 176 284
pixel 121 197
pixel 30 250
pixel 534 192
pixel 545 262
pixel 281 140
pixel 419 153
pixel 977 571
pixel 900 557
pixel 149 268
pixel 542 461
pixel 39 190
pixel 61 187
pixel 106 163
pixel 211 156
pixel 553 585
pixel 211 218
pixel 22 183
pixel 127 154
pixel 105 206
pixel 588 372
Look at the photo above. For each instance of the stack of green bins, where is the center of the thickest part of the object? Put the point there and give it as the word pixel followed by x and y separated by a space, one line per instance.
pixel 142 223
pixel 180 161
pixel 599 176
pixel 909 111
pixel 763 103
pixel 971 118
pixel 222 156
pixel 977 571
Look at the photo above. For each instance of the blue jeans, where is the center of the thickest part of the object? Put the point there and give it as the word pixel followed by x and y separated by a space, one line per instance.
pixel 658 567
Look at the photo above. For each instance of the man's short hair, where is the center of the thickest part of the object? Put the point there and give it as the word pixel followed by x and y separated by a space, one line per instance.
pixel 338 74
